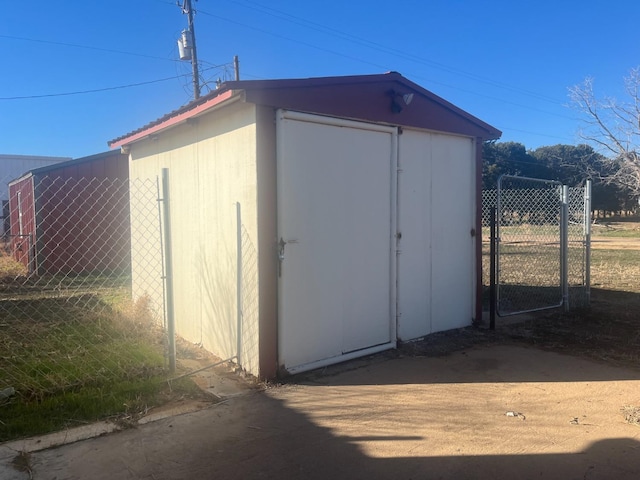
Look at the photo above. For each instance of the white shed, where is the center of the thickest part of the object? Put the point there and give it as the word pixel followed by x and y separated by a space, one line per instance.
pixel 360 216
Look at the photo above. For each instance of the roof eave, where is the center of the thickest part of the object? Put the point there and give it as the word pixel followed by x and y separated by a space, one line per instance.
pixel 181 117
pixel 20 179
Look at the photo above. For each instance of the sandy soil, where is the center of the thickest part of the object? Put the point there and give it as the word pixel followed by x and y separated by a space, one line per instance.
pixel 486 412
pixel 612 243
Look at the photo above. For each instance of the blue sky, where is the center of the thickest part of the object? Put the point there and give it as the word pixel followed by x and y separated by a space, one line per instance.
pixel 509 63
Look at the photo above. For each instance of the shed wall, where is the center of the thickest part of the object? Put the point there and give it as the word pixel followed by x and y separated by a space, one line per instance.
pixel 267 302
pixel 212 167
pixel 82 213
pixel 75 217
pixel 11 167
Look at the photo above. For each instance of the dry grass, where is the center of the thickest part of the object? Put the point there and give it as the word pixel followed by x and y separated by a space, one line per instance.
pixel 616 270
pixel 9 268
pixel 632 414
pixel 616 229
pixel 609 330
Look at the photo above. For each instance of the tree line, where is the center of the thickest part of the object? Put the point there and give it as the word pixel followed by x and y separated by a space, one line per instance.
pixel 609 124
pixel 569 164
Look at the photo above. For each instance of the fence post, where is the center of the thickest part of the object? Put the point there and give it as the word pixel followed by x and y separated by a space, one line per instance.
pixel 564 247
pixel 239 284
pixel 587 240
pixel 171 325
pixel 492 270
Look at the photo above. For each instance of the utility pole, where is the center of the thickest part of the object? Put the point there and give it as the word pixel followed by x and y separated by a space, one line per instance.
pixel 186 8
pixel 236 67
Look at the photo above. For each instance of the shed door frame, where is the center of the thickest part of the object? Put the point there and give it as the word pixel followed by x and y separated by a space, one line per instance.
pixel 283 115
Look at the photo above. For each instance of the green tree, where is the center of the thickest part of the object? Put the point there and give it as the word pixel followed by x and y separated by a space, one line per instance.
pixel 508 158
pixel 569 164
pixel 573 164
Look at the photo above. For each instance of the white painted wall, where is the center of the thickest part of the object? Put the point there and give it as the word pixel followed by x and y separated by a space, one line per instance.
pixel 436 266
pixel 212 165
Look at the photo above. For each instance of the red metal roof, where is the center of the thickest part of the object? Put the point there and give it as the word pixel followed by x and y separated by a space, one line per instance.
pixel 361 97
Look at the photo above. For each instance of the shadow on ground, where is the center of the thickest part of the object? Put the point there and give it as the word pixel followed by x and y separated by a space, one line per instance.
pixel 484 412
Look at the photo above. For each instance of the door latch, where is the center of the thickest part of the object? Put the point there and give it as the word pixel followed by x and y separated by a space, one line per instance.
pixel 281 245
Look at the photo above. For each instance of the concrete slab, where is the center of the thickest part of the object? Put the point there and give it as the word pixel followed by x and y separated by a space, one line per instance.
pixel 482 413
pixel 10 469
pixel 221 382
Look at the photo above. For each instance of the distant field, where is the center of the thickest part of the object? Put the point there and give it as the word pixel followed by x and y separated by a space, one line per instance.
pixel 616 235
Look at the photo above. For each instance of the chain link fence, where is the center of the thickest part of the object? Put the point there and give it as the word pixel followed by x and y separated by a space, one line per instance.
pixel 531 257
pixel 579 245
pixel 489 202
pixel 68 316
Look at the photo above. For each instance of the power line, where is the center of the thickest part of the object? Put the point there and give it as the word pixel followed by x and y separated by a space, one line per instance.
pixel 385 49
pixel 306 24
pixel 508 129
pixel 95 90
pixel 333 52
pixel 306 44
pixel 377 65
pixel 87 47
pixel 309 24
pixel 105 89
pixel 497 99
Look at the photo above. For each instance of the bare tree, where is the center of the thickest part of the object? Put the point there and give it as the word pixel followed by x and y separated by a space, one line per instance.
pixel 613 127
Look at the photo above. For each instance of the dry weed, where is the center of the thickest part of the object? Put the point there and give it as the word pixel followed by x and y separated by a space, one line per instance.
pixel 9 268
pixel 632 414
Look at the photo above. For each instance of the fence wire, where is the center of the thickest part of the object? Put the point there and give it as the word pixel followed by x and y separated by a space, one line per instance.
pixel 529 253
pixel 579 211
pixel 68 316
pixel 529 245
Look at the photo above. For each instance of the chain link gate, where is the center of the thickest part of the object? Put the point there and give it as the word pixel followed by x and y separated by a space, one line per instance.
pixel 542 235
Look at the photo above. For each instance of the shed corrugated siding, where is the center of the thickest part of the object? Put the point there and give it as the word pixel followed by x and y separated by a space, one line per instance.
pixel 81 211
pixel 13 167
pixel 212 165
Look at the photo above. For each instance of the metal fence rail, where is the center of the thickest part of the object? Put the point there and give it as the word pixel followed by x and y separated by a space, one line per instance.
pixel 68 318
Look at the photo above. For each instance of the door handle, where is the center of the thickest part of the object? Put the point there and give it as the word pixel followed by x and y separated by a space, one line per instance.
pixel 281 245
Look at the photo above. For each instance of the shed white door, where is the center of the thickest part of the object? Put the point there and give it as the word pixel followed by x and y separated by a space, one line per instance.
pixel 436 265
pixel 452 246
pixel 335 201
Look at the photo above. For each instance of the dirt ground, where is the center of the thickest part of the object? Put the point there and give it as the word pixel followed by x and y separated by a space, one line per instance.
pixel 493 410
pixel 552 396
pixel 613 243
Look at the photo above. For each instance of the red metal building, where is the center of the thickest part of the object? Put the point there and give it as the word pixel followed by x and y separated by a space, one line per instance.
pixel 72 217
